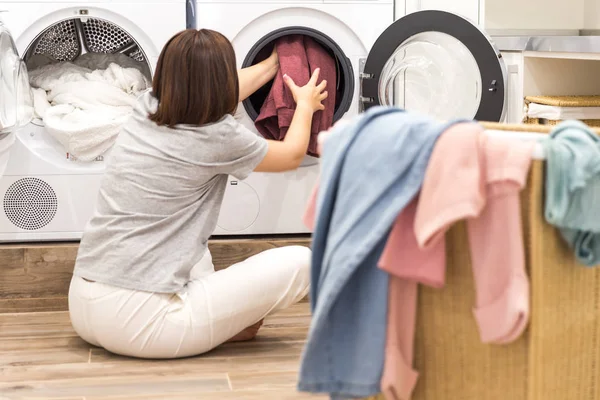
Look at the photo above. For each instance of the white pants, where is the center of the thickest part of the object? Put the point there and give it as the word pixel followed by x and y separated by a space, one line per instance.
pixel 213 307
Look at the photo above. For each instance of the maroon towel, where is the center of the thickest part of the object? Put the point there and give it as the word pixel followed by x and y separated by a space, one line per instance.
pixel 299 56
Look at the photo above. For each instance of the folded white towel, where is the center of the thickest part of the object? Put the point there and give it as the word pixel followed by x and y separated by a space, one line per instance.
pixel 557 113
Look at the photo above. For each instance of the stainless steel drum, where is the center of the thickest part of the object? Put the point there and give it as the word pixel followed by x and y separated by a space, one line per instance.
pixel 68 39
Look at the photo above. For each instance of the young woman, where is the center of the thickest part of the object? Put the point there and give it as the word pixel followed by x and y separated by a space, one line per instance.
pixel 144 284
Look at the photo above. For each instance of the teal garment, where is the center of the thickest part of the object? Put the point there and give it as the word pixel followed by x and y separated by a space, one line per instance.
pixel 573 188
pixel 585 244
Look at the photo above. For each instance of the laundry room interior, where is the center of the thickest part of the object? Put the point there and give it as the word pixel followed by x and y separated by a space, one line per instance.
pixel 72 74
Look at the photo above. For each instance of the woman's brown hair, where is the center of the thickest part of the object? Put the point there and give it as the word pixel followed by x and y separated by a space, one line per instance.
pixel 196 79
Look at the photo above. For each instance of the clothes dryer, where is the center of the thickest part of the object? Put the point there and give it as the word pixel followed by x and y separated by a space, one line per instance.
pixel 46 195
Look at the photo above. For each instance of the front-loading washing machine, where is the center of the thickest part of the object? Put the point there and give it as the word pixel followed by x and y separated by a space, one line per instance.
pixel 429 61
pixel 46 195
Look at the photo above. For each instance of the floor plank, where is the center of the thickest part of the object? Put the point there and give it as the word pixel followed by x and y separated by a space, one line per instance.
pixel 35 325
pixel 41 357
pixel 263 380
pixel 36 272
pixel 231 395
pixel 36 277
pixel 107 387
pixel 39 304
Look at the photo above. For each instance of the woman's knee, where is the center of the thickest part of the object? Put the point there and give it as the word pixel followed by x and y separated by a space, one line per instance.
pixel 292 255
pixel 294 260
pixel 297 256
pixel 301 252
pixel 298 260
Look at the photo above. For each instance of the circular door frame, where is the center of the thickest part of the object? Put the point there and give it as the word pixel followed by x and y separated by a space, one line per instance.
pixel 18 68
pixel 342 58
pixel 488 58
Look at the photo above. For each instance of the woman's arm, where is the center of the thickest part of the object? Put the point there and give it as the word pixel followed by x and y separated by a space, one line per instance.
pixel 253 78
pixel 289 153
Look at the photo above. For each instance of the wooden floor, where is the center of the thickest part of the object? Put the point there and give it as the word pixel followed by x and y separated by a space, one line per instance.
pixel 41 357
pixel 36 277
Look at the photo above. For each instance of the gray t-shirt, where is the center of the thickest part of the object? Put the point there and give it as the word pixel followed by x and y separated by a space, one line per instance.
pixel 160 199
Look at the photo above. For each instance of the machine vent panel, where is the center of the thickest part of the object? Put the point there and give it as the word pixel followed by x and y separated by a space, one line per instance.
pixel 30 203
pixel 59 42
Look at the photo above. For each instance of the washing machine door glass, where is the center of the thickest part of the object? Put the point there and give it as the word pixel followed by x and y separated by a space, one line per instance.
pixel 436 63
pixel 16 101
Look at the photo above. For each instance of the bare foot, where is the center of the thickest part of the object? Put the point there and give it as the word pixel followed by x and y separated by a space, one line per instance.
pixel 247 334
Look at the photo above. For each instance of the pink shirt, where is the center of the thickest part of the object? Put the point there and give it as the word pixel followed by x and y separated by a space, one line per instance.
pixel 470 176
pixel 475 177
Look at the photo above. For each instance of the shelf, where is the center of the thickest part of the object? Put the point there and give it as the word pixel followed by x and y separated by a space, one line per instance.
pixel 562 55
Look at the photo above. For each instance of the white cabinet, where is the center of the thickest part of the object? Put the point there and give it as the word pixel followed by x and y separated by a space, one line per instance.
pixel 514 62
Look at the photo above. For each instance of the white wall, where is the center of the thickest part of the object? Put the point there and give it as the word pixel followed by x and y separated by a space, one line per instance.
pixel 516 15
pixel 592 14
pixel 535 14
pixel 467 8
pixel 399 8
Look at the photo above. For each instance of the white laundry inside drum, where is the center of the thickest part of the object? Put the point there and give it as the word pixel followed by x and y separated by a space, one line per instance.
pixel 86 76
pixel 432 73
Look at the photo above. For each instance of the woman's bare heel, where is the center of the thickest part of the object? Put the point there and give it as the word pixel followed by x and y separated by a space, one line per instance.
pixel 247 334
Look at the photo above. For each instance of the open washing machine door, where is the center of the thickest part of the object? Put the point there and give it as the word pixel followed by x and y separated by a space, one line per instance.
pixel 437 63
pixel 16 101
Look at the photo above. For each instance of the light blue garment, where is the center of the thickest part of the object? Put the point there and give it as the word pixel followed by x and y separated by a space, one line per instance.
pixel 370 170
pixel 573 188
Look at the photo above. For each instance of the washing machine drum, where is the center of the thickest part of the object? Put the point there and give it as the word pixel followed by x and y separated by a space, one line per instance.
pixel 16 102
pixel 70 39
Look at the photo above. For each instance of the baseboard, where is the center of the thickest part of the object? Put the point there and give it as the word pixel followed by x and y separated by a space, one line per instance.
pixel 36 277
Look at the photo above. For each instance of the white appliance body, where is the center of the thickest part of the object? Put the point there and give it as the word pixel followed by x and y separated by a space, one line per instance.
pixel 274 203
pixel 387 58
pixel 45 195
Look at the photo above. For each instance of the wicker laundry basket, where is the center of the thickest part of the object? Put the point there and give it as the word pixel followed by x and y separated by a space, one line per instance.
pixel 561 101
pixel 558 357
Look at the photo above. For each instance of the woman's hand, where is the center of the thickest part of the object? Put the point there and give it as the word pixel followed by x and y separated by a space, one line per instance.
pixel 288 154
pixel 311 94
